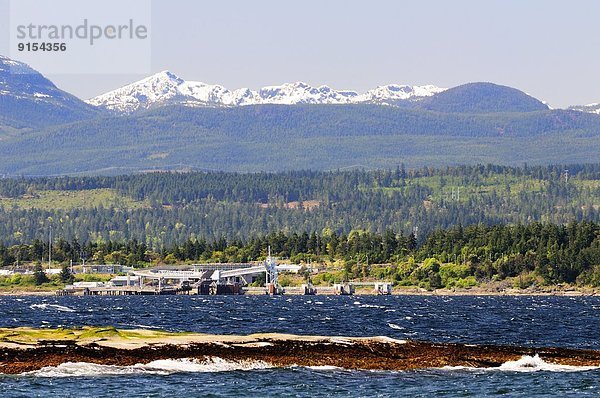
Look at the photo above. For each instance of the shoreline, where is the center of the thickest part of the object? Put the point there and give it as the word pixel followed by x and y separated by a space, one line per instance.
pixel 398 291
pixel 26 349
pixel 582 292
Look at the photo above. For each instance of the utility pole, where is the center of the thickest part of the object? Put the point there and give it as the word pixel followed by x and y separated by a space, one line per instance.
pixel 50 248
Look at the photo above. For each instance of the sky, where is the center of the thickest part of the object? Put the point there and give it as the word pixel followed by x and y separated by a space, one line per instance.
pixel 547 48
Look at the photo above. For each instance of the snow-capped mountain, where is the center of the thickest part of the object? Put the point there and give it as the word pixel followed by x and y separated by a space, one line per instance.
pixel 19 80
pixel 393 92
pixel 589 108
pixel 28 99
pixel 166 88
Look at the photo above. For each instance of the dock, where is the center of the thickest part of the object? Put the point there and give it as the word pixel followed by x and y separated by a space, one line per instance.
pixel 211 279
pixel 133 291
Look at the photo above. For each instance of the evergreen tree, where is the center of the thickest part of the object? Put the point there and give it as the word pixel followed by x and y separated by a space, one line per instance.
pixel 39 275
pixel 65 275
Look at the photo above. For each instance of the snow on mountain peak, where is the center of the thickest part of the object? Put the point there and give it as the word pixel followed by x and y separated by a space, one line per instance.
pixel 12 67
pixel 167 88
pixel 303 93
pixel 589 108
pixel 390 93
pixel 19 80
pixel 158 88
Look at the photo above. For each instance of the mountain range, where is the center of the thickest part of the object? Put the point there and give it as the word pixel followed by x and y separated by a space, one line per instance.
pixel 165 88
pixel 166 123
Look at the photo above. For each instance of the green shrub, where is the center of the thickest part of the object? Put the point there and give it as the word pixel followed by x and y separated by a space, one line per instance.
pixel 453 275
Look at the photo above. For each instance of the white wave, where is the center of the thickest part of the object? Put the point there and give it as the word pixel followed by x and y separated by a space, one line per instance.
pixel 534 364
pixel 84 369
pixel 527 364
pixel 394 326
pixel 216 364
pixel 51 306
pixel 159 367
pixel 324 367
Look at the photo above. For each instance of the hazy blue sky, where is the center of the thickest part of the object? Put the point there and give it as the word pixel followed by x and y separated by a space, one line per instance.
pixel 549 49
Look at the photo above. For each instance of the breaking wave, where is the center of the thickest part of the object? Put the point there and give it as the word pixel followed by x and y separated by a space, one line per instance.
pixel 527 364
pixel 215 364
pixel 159 367
pixel 57 307
pixel 534 364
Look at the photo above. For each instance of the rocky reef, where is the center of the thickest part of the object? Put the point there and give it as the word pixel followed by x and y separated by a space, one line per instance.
pixel 26 349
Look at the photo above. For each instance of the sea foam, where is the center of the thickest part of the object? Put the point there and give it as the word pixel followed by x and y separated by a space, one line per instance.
pixel 535 364
pixel 527 364
pixel 215 364
pixel 159 367
pixel 46 306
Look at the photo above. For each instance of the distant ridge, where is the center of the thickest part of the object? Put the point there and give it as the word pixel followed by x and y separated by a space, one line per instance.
pixel 166 88
pixel 28 99
pixel 164 122
pixel 589 108
pixel 483 98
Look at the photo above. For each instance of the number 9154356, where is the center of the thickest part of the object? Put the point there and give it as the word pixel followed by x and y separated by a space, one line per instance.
pixel 42 47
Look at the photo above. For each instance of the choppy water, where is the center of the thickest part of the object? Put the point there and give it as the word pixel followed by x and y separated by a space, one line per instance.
pixel 532 321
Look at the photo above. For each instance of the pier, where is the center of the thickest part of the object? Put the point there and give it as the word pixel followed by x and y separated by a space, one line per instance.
pixel 133 291
pixel 211 279
pixel 204 279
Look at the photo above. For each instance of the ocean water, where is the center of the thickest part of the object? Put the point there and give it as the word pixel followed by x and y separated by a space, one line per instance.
pixel 529 321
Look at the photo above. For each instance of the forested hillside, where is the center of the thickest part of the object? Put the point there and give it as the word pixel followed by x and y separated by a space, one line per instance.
pixel 160 209
pixel 45 131
pixel 319 137
pixel 483 98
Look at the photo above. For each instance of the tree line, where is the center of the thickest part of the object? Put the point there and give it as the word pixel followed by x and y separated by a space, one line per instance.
pixel 457 256
pixel 173 207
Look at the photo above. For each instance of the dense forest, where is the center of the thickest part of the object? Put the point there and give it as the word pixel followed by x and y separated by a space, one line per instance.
pixel 320 137
pixel 455 257
pixel 160 209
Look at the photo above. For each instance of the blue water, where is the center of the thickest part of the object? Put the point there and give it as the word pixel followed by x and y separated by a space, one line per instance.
pixel 531 321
